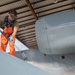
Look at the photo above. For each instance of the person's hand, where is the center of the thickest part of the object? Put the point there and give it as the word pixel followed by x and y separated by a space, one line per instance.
pixel 11 38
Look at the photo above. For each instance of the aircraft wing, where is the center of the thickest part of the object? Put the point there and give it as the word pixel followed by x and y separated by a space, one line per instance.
pixel 10 65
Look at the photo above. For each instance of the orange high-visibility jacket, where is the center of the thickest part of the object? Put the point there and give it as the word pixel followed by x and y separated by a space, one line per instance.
pixel 9 32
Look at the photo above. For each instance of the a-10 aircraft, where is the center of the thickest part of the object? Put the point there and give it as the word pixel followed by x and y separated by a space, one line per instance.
pixel 10 65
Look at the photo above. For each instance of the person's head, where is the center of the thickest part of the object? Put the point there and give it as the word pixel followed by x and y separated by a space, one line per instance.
pixel 12 15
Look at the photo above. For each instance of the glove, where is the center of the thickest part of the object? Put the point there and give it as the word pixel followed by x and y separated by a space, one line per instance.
pixel 10 38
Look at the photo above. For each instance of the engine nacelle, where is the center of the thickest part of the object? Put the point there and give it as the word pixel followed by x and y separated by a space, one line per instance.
pixel 55 33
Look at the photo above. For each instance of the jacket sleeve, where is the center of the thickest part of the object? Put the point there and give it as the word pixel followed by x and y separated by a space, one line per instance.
pixel 16 24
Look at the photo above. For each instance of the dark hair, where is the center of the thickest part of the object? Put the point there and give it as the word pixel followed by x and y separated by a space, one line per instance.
pixel 13 12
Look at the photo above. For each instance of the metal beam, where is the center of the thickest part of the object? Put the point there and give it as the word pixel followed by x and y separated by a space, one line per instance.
pixel 26 29
pixel 34 46
pixel 31 39
pixel 31 8
pixel 27 24
pixel 31 43
pixel 9 3
pixel 57 11
pixel 32 36
pixel 24 37
pixel 56 7
pixel 31 33
pixel 26 20
pixel 17 7
pixel 13 8
pixel 37 8
pixel 26 32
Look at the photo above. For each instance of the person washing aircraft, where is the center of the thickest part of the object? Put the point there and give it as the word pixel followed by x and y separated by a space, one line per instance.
pixel 10 27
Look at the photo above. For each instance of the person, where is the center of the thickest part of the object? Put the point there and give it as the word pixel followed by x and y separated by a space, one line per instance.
pixel 10 27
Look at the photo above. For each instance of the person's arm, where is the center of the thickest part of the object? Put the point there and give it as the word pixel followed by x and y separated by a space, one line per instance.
pixel 15 29
pixel 11 38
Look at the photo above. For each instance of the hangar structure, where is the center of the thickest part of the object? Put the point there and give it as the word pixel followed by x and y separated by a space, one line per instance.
pixel 29 11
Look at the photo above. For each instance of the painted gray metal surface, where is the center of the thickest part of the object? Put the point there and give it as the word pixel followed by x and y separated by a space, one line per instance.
pixel 10 65
pixel 56 33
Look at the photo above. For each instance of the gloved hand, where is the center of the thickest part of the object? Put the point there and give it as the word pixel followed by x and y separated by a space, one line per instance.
pixel 11 38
